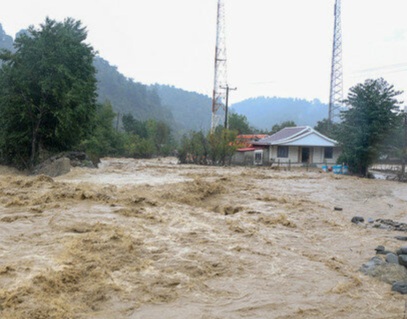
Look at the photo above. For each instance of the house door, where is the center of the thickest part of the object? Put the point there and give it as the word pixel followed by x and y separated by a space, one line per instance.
pixel 305 155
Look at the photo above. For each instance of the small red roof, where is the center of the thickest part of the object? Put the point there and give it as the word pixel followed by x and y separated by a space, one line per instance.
pixel 246 149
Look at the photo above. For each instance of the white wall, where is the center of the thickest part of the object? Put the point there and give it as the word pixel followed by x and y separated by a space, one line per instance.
pixel 295 157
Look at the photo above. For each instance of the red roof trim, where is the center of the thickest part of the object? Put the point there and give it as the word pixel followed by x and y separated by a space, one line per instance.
pixel 246 149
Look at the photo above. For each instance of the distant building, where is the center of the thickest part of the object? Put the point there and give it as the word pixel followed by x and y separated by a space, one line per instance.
pixel 295 145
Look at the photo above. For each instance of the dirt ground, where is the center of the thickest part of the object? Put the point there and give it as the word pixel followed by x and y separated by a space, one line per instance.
pixel 153 239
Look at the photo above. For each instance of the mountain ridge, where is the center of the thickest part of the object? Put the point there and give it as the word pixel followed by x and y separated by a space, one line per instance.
pixel 184 110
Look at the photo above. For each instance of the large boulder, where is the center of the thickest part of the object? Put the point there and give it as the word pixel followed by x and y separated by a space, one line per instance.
pixel 57 167
pixel 61 164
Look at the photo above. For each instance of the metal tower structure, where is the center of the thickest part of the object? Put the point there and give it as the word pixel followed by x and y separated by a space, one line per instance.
pixel 336 89
pixel 220 82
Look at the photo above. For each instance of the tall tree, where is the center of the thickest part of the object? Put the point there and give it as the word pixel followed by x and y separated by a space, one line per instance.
pixel 47 91
pixel 372 114
pixel 239 123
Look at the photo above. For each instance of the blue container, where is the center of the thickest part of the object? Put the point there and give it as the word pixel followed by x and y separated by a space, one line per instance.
pixel 345 169
pixel 325 168
pixel 337 169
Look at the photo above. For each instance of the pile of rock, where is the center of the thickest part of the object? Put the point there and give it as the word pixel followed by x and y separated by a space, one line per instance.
pixel 380 223
pixel 390 267
pixel 61 164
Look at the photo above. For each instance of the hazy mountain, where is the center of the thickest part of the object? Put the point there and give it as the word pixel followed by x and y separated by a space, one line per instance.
pixel 6 41
pixel 127 96
pixel 264 112
pixel 191 111
pixel 186 111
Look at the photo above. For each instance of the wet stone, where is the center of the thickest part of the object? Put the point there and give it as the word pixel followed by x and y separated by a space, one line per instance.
pixel 403 260
pixel 379 249
pixel 392 258
pixel 400 286
pixel 402 251
pixel 371 265
pixel 357 219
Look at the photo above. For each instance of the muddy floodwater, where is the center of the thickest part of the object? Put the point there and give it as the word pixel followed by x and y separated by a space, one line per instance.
pixel 154 239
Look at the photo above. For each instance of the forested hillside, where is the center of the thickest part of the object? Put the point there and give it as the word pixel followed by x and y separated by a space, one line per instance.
pixel 188 111
pixel 127 96
pixel 191 111
pixel 264 112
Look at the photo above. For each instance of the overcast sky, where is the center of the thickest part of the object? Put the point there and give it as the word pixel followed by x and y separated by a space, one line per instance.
pixel 274 47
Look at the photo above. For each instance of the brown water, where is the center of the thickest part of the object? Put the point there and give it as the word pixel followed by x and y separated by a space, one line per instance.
pixel 153 239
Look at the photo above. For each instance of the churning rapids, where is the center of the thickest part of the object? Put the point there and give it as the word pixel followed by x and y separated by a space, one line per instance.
pixel 153 239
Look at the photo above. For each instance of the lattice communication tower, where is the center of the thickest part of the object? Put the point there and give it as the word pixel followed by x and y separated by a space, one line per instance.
pixel 220 82
pixel 336 89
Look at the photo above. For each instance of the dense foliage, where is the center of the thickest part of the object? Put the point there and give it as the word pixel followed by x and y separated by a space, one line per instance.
pixel 148 138
pixel 239 123
pixel 371 117
pixel 47 91
pixel 105 139
pixel 214 148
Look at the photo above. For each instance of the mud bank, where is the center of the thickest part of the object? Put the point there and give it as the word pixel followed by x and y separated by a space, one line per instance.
pixel 153 239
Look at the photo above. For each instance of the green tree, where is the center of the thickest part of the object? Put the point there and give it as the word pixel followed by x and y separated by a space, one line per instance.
pixel 104 140
pixel 370 118
pixel 221 145
pixel 279 127
pixel 194 148
pixel 329 129
pixel 239 123
pixel 47 91
pixel 133 126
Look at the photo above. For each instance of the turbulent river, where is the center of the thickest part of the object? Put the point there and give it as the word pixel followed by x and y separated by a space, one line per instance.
pixel 154 239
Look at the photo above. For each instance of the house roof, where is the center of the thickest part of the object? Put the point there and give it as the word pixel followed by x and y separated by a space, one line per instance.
pixel 297 136
pixel 251 136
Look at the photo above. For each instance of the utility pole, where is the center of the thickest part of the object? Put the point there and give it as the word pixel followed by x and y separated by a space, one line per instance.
pixel 227 88
pixel 336 88
pixel 219 95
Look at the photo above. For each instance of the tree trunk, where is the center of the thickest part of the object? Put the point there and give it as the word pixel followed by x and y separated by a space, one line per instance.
pixel 34 142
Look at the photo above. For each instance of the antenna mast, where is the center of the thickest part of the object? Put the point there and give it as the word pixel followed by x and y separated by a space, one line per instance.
pixel 220 82
pixel 336 89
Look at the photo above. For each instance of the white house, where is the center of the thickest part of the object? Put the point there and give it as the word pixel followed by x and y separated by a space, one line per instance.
pixel 298 145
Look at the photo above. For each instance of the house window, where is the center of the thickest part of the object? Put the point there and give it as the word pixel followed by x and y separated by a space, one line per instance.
pixel 282 151
pixel 328 152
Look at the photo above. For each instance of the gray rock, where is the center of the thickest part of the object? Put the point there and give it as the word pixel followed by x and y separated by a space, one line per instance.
pixel 400 286
pixel 370 220
pixel 379 249
pixel 55 168
pixel 357 219
pixel 403 260
pixel 392 258
pixel 368 267
pixel 402 251
pixel 403 238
